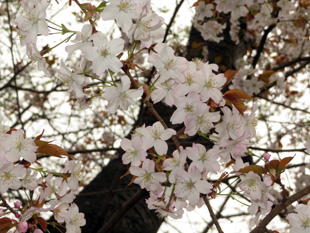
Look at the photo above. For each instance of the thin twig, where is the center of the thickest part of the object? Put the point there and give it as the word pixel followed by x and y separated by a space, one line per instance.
pixel 275 211
pixel 5 204
pixel 216 223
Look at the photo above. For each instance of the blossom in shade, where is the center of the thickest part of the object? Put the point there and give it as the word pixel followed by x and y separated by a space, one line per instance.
pixel 104 53
pixel 18 146
pixel 33 22
pixel 10 177
pixel 74 220
pixel 123 11
pixel 300 221
pixel 252 185
pixel 121 96
pixel 146 176
pixel 74 81
pixel 156 136
pixel 135 153
pixel 190 185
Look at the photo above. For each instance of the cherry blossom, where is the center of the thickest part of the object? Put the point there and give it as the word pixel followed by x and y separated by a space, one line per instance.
pixel 10 176
pixel 252 185
pixel 156 136
pixel 18 146
pixel 300 221
pixel 121 96
pixel 104 53
pixel 146 176
pixel 135 153
pixel 34 22
pixel 190 185
pixel 74 81
pixel 74 220
pixel 123 11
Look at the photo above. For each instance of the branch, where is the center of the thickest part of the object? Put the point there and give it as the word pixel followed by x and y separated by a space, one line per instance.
pixel 5 204
pixel 275 211
pixel 262 44
pixel 172 19
pixel 277 150
pixel 212 214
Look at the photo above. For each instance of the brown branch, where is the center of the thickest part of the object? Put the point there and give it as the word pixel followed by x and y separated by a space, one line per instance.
pixel 292 62
pixel 277 150
pixel 275 211
pixel 262 44
pixel 172 19
pixel 212 214
pixel 5 204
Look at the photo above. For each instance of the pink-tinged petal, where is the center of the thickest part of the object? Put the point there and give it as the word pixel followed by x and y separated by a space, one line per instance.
pixel 42 27
pixel 135 93
pixel 178 116
pixel 161 147
pixel 203 186
pixel 29 156
pixel 31 37
pixel 168 134
pixel 116 45
pixel 109 12
pixel 113 105
pixel 13 155
pixel 158 94
pixel 160 176
pixel 125 83
pixel 113 64
pixel 126 144
pixel 71 48
pixel 148 166
pixel 136 171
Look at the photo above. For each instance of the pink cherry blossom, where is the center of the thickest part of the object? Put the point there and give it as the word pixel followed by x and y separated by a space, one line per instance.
pixel 300 221
pixel 123 11
pixel 156 136
pixel 19 146
pixel 104 53
pixel 135 153
pixel 146 176
pixel 121 96
pixel 33 22
pixel 10 176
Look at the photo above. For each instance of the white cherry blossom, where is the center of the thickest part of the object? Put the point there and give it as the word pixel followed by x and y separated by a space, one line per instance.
pixel 121 96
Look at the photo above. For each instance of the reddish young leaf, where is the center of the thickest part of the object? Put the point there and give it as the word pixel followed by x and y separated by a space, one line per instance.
pixel 266 75
pixel 42 223
pixel 285 161
pixel 52 150
pixel 230 74
pixel 235 97
pixel 274 164
pixel 39 136
pixel 254 168
pixel 6 224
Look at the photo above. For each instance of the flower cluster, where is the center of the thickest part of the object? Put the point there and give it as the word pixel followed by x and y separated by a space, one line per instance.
pixel 51 191
pixel 175 178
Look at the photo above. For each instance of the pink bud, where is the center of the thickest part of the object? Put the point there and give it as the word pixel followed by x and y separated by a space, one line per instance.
pixel 267 156
pixel 17 215
pixel 22 227
pixel 17 204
